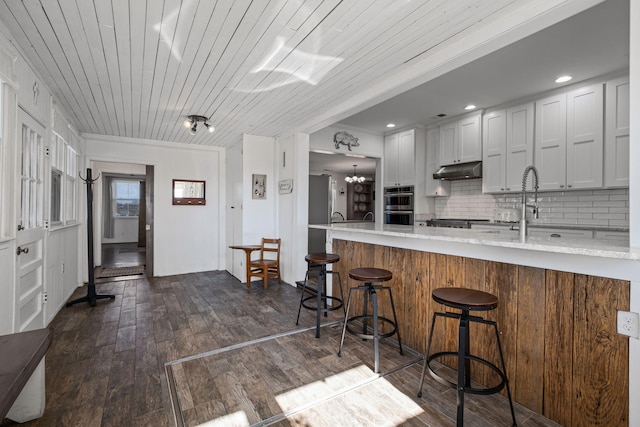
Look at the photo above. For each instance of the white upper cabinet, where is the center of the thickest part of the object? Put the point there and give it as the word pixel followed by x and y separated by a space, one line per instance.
pixel 507 142
pixel 434 187
pixel 616 141
pixel 470 147
pixel 585 137
pixel 569 139
pixel 399 158
pixel 551 142
pixel 494 143
pixel 460 141
pixel 520 124
pixel 33 95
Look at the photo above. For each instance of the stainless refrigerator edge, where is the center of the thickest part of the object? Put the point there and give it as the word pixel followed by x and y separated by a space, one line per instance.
pixel 321 193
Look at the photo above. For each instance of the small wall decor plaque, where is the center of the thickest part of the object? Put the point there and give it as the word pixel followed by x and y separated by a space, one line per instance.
pixel 285 186
pixel 259 187
pixel 345 138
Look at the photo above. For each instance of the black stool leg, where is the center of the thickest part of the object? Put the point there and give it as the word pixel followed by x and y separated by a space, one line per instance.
pixel 426 356
pixel 463 365
pixel 344 326
pixel 304 288
pixel 504 369
pixel 365 308
pixel 322 286
pixel 376 336
pixel 341 293
pixel 395 319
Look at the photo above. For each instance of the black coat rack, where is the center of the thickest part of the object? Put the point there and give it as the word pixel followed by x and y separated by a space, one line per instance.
pixel 91 297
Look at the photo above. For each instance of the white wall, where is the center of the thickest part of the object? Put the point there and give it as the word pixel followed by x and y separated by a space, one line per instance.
pixel 186 238
pixel 258 215
pixel 371 144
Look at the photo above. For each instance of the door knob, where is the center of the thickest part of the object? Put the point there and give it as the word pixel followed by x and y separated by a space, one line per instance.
pixel 22 250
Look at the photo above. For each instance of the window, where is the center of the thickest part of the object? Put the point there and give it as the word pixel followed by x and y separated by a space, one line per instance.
pixel 64 176
pixel 56 196
pixel 70 187
pixel 126 197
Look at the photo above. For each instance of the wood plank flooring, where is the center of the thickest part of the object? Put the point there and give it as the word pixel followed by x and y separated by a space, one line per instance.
pixel 106 365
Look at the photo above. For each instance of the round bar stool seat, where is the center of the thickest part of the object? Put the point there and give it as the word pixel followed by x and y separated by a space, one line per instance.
pixel 318 262
pixel 370 276
pixel 466 300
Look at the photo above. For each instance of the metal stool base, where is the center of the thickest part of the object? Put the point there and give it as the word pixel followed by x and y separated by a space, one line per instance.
pixel 463 384
pixel 370 290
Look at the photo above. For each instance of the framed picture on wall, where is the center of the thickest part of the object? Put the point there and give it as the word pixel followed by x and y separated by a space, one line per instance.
pixel 259 187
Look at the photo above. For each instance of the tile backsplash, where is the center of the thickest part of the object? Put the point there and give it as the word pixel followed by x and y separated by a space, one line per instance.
pixel 605 208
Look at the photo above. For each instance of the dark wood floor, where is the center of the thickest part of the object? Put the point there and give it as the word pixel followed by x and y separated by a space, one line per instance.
pixel 106 365
pixel 122 255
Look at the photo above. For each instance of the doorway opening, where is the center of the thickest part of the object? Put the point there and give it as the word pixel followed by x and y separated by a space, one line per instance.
pixel 124 215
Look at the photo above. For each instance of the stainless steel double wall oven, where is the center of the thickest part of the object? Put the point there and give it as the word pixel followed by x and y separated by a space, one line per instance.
pixel 398 205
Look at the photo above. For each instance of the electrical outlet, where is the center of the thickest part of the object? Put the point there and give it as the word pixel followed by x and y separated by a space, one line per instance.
pixel 628 324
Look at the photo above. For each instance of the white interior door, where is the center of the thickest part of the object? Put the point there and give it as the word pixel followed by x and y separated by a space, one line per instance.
pixel 30 236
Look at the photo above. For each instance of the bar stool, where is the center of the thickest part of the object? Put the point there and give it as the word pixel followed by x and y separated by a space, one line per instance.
pixel 466 300
pixel 318 262
pixel 370 276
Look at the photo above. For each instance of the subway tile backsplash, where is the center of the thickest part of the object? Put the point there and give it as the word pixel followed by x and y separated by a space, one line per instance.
pixel 604 208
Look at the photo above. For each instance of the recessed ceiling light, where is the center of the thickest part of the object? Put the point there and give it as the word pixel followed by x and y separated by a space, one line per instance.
pixel 563 79
pixel 470 107
pixel 391 125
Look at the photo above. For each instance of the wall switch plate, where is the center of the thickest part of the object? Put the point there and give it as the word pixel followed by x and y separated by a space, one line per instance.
pixel 628 324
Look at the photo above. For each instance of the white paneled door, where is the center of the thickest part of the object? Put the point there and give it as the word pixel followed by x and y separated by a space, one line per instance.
pixel 30 235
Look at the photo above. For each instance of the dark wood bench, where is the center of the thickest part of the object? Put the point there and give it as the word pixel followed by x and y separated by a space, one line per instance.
pixel 20 355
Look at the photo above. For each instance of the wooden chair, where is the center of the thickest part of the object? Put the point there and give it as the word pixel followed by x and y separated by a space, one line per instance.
pixel 268 265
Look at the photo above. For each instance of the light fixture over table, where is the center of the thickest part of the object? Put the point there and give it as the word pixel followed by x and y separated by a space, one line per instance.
pixel 355 177
pixel 192 121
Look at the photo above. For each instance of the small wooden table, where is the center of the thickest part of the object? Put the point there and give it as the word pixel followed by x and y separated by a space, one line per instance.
pixel 247 250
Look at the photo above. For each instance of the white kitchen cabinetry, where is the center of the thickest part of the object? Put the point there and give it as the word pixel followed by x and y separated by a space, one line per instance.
pixel 569 139
pixel 560 233
pixel 502 229
pixel 434 187
pixel 585 137
pixel 621 237
pixel 616 140
pixel 460 141
pixel 551 142
pixel 507 141
pixel 399 158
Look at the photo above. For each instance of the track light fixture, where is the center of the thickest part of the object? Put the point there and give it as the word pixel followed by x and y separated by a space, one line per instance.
pixel 191 122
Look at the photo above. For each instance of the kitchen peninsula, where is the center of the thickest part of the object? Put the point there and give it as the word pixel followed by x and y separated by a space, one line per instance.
pixel 557 314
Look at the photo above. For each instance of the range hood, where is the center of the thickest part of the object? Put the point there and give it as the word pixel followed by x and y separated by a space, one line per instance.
pixel 459 171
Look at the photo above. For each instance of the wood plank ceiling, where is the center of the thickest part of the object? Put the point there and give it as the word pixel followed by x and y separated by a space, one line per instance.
pixel 136 68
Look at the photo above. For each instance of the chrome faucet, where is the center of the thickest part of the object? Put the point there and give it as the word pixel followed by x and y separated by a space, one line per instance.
pixel 523 217
pixel 364 218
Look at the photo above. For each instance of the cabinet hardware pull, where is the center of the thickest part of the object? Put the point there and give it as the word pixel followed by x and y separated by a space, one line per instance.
pixel 22 250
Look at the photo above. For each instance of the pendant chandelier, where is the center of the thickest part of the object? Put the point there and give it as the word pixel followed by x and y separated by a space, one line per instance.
pixel 354 177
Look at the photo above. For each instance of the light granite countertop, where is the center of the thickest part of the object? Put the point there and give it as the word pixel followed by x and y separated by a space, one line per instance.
pixel 584 247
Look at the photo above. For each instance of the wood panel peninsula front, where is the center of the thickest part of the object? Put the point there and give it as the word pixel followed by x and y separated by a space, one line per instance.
pixel 557 313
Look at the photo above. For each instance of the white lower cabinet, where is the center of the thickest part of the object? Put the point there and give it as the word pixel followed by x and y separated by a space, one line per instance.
pixel 560 233
pixel 619 237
